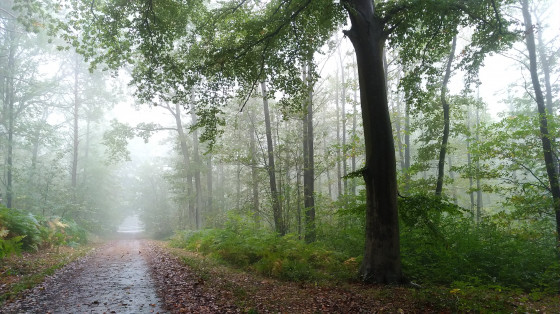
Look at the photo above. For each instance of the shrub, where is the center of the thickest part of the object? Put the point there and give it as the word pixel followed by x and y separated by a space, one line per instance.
pixel 20 224
pixel 243 245
pixel 20 230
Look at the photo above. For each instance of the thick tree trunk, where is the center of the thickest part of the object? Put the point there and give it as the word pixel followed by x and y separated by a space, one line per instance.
pixel 543 121
pixel 308 162
pixel 445 106
pixel 185 155
pixel 382 261
pixel 276 206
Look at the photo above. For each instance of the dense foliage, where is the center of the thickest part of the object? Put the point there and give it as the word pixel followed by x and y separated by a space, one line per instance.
pixel 441 245
pixel 20 230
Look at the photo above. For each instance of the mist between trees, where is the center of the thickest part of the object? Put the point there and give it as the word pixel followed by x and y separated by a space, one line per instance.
pixel 359 126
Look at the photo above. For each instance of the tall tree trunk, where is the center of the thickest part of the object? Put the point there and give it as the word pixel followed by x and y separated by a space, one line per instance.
pixel 197 164
pixel 185 154
pixel 382 260
pixel 452 176
pixel 298 207
pixel 354 125
pixel 343 117
pixel 209 187
pixel 407 147
pixel 469 161
pixel 338 143
pixel 254 173
pixel 329 185
pixel 75 117
pixel 276 205
pixel 479 204
pixel 545 65
pixel 445 106
pixel 308 161
pixel 9 101
pixel 550 163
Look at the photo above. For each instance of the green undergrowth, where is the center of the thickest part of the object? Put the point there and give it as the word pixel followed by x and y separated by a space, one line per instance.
pixel 441 246
pixel 24 231
pixel 242 245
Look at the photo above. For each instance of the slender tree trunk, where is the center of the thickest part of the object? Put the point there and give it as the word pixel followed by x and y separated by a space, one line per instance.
pixel 479 204
pixel 209 187
pixel 308 162
pixel 398 128
pixel 36 143
pixel 382 261
pixel 354 125
pixel 9 100
pixel 75 116
pixel 545 65
pixel 338 144
pixel 298 214
pixel 469 161
pixel 329 185
pixel 343 117
pixel 197 180
pixel 407 148
pixel 452 176
pixel 254 173
pixel 543 121
pixel 445 105
pixel 276 205
pixel 238 186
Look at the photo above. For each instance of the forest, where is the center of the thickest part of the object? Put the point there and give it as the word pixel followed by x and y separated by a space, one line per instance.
pixel 403 151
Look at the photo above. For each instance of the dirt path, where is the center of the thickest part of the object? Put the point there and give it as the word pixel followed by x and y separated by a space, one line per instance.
pixel 113 279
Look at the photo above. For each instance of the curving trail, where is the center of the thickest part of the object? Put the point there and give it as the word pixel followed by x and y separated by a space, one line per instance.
pixel 115 278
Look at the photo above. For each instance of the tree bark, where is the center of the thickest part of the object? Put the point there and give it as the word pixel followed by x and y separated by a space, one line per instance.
pixel 343 118
pixel 479 204
pixel 406 147
pixel 9 101
pixel 543 121
pixel 276 205
pixel 75 116
pixel 354 124
pixel 197 164
pixel 209 187
pixel 308 161
pixel 445 106
pixel 338 150
pixel 185 155
pixel 382 261
pixel 254 173
pixel 545 64
pixel 469 160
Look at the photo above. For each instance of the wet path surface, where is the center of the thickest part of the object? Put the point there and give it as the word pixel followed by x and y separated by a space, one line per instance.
pixel 113 279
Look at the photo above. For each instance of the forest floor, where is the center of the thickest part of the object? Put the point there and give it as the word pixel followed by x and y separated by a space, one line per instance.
pixel 143 276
